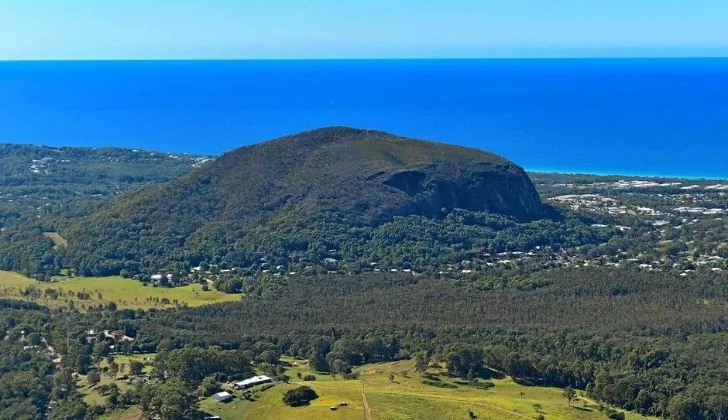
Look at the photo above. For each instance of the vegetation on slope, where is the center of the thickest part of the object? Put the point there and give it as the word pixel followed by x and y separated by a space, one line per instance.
pixel 42 187
pixel 346 177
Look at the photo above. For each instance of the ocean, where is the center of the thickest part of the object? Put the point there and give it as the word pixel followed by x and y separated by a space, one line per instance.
pixel 659 117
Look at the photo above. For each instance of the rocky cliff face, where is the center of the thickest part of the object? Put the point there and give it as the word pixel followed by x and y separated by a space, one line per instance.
pixel 496 188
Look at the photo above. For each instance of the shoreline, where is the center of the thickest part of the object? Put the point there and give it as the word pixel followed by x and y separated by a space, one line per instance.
pixel 542 171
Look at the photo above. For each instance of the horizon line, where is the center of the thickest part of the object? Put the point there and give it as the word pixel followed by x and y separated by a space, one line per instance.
pixel 537 171
pixel 494 58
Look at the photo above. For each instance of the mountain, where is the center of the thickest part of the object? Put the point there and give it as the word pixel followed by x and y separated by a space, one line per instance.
pixel 349 177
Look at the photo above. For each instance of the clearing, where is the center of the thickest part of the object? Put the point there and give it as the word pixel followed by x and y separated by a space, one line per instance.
pixel 57 239
pixel 126 293
pixel 406 397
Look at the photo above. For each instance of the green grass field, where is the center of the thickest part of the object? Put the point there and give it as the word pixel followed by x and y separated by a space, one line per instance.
pixel 407 398
pixel 58 240
pixel 126 293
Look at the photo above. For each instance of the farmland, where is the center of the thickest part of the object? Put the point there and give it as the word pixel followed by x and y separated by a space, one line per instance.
pixel 394 390
pixel 125 293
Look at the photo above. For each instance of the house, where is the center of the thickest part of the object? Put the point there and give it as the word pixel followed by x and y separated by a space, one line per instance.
pixel 255 380
pixel 223 396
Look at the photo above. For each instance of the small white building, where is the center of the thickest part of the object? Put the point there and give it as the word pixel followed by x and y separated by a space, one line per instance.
pixel 223 396
pixel 255 380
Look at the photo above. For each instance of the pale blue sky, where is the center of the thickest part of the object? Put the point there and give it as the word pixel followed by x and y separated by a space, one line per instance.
pixel 188 29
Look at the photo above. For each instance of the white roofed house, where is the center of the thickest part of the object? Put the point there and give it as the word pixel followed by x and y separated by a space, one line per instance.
pixel 255 380
pixel 223 396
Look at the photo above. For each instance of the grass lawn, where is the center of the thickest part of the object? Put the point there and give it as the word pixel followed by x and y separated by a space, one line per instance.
pixel 132 413
pixel 57 239
pixel 126 293
pixel 407 397
pixel 234 409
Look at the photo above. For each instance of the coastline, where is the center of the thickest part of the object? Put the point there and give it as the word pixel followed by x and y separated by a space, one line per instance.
pixel 633 175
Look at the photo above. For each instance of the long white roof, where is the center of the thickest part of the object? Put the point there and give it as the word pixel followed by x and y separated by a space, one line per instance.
pixel 253 380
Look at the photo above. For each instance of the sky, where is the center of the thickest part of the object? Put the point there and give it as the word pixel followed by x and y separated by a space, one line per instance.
pixel 304 29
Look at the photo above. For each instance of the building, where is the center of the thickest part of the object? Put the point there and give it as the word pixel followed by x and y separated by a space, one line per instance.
pixel 255 380
pixel 223 396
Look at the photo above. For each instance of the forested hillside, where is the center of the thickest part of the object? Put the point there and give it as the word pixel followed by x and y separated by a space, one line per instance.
pixel 333 181
pixel 41 188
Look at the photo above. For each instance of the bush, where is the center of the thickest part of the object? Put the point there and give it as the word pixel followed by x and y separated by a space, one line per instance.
pixel 302 395
pixel 309 377
pixel 615 415
pixel 351 375
pixel 483 385
pixel 438 384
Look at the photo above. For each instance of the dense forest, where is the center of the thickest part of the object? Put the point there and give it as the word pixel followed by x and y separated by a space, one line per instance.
pixel 42 188
pixel 648 342
pixel 614 286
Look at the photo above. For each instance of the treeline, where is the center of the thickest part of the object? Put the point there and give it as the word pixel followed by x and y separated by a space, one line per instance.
pixel 325 242
pixel 643 341
pixel 649 342
pixel 25 376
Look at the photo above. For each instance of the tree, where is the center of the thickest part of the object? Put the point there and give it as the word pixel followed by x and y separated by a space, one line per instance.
pixel 339 366
pixel 101 349
pixel 136 367
pixel 569 394
pixel 297 397
pixel 269 356
pixel 63 384
pixel 537 408
pixel 317 362
pixel 171 400
pixel 113 369
pixel 209 386
pixel 34 339
pixel 93 377
pixel 683 408
pixel 421 363
pixel 69 409
pixel 114 398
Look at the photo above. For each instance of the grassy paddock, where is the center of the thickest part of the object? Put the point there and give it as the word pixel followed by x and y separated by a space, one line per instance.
pixel 126 293
pixel 406 397
pixel 57 239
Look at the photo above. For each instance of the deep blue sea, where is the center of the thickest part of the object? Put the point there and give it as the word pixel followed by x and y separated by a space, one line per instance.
pixel 619 116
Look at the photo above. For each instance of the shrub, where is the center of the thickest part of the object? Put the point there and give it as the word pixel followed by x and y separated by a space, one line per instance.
pixel 438 384
pixel 483 385
pixel 302 395
pixel 351 375
pixel 309 377
pixel 615 415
